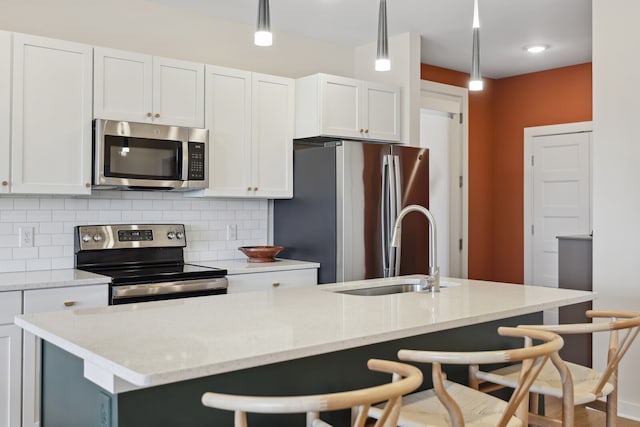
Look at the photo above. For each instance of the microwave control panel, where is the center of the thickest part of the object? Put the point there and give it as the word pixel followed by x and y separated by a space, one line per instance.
pixel 196 161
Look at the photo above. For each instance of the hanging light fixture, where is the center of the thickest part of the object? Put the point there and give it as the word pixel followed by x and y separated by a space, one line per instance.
pixel 475 83
pixel 263 31
pixel 382 60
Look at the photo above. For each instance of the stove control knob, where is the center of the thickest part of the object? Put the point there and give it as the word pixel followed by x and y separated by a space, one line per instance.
pixel 97 237
pixel 179 235
pixel 171 235
pixel 86 237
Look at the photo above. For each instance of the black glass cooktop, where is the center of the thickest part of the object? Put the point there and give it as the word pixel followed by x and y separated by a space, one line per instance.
pixel 122 275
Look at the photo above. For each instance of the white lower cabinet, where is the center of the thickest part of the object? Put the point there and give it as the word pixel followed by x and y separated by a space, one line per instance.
pixel 272 280
pixel 10 357
pixel 41 300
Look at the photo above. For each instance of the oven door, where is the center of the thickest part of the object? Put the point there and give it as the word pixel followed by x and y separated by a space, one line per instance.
pixel 127 294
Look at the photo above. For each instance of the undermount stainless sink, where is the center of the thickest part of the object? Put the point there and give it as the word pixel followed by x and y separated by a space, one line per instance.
pixel 396 288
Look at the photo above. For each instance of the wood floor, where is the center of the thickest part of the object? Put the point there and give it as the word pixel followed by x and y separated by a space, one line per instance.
pixel 587 417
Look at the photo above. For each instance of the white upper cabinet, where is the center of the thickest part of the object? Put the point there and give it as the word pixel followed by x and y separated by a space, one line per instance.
pixel 5 110
pixel 250 119
pixel 142 88
pixel 342 107
pixel 51 116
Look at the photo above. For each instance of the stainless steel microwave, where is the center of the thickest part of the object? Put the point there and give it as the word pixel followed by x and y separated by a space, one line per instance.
pixel 142 156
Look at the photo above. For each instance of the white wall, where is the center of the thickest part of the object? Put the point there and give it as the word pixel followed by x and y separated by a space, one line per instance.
pixel 142 26
pixel 404 53
pixel 616 176
pixel 53 218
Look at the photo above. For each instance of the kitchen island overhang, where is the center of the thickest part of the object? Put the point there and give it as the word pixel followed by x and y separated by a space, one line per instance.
pixel 136 346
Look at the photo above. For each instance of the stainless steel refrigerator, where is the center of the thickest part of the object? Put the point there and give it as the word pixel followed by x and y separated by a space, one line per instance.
pixel 346 197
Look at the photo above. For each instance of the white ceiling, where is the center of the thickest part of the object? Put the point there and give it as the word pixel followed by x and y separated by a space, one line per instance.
pixel 506 26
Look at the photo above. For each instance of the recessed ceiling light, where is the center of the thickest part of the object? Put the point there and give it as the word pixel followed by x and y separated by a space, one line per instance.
pixel 536 48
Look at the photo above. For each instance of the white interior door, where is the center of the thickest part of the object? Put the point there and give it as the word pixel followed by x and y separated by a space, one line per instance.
pixel 561 198
pixel 440 132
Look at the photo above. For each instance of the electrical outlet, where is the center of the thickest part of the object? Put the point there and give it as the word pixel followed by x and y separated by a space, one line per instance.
pixel 26 237
pixel 232 232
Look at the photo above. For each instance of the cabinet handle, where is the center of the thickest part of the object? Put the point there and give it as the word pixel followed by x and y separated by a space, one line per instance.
pixel 69 303
pixel 157 115
pixel 248 188
pixel 361 130
pixel 276 284
pixel 366 131
pixel 87 184
pixel 255 188
pixel 149 115
pixel 5 183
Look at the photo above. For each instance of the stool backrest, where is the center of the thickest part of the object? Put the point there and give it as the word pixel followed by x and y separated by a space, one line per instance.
pixel 533 357
pixel 623 328
pixel 405 379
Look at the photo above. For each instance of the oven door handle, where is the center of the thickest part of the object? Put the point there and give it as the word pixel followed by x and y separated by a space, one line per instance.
pixel 164 288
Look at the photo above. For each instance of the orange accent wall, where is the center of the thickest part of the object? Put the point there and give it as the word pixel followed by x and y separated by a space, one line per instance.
pixel 497 118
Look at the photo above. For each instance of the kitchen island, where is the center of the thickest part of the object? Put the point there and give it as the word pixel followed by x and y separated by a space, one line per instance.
pixel 148 364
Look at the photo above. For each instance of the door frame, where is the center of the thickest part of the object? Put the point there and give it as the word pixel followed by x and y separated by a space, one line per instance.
pixel 529 135
pixel 453 99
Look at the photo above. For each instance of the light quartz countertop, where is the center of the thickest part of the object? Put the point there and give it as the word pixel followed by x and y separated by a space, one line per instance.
pixel 136 346
pixel 241 266
pixel 25 280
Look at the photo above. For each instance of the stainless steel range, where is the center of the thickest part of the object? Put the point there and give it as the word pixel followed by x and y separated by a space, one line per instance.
pixel 145 262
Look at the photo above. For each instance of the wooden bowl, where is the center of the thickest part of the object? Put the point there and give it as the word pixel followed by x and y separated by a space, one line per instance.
pixel 261 253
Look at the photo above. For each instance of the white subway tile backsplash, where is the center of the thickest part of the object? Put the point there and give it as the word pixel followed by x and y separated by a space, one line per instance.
pixel 7 215
pixel 25 253
pixel 53 219
pixel 13 265
pixel 39 215
pixel 54 204
pixel 26 203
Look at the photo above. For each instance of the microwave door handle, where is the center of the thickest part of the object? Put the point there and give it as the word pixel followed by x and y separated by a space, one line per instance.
pixel 183 158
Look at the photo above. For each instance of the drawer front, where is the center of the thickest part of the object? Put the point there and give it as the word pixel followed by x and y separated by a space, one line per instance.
pixel 69 298
pixel 272 280
pixel 10 305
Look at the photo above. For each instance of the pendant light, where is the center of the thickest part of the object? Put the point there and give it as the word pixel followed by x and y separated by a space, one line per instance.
pixel 382 60
pixel 263 31
pixel 476 79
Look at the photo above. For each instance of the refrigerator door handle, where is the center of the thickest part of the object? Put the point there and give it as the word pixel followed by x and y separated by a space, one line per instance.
pixel 393 214
pixel 384 212
pixel 397 207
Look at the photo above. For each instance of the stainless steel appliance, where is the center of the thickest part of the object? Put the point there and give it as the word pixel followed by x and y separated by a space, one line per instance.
pixel 145 262
pixel 347 196
pixel 142 156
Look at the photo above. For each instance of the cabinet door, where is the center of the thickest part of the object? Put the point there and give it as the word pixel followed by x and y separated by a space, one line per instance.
pixel 40 300
pixel 341 98
pixel 178 92
pixel 10 355
pixel 51 116
pixel 122 85
pixel 381 112
pixel 228 118
pixel 5 109
pixel 272 140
